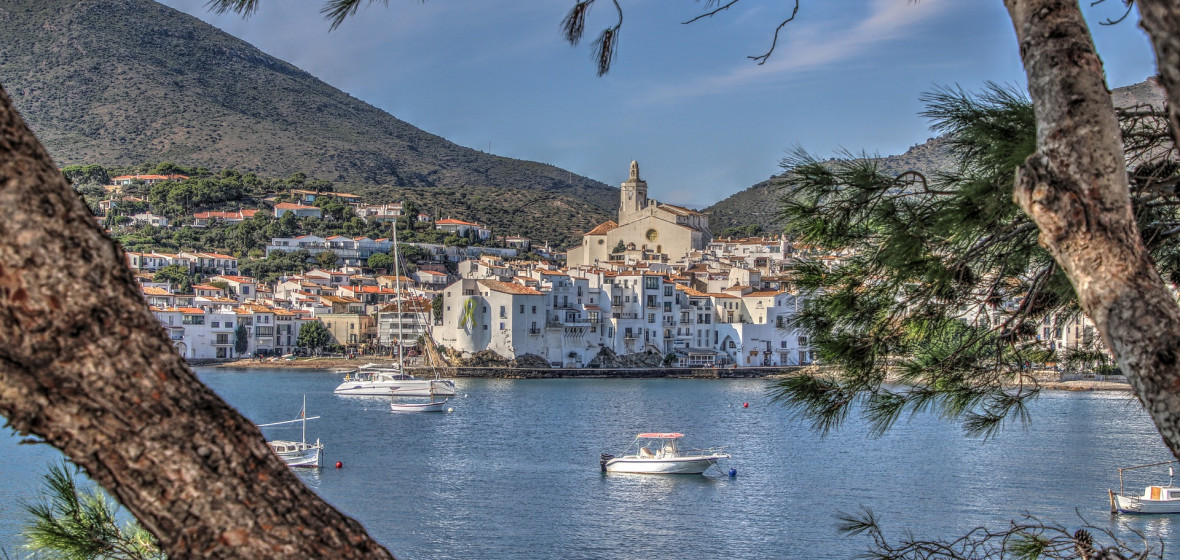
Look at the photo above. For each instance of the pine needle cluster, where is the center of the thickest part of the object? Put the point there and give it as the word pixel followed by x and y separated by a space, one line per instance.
pixel 75 523
pixel 940 298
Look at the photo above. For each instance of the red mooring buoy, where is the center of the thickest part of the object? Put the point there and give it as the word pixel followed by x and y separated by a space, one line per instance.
pixel 339 464
pixel 745 405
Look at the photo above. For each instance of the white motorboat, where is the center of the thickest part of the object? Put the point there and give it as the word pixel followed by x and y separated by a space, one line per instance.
pixel 1155 499
pixel 297 453
pixel 661 453
pixel 373 380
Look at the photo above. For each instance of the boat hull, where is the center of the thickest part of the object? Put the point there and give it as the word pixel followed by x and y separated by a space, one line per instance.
pixel 404 388
pixel 679 465
pixel 1137 504
pixel 298 454
pixel 433 406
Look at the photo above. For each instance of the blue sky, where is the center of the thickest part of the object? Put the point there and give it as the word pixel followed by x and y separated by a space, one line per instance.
pixel 703 120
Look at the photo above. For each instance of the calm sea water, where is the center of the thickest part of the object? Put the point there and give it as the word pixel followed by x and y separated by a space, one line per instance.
pixel 513 471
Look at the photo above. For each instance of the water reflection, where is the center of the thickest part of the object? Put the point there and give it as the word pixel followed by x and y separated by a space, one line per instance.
pixel 514 470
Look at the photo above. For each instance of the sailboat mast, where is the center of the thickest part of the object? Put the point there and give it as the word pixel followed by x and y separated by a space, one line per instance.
pixel 303 416
pixel 397 282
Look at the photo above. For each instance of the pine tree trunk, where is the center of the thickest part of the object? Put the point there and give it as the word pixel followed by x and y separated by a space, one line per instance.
pixel 86 366
pixel 1075 188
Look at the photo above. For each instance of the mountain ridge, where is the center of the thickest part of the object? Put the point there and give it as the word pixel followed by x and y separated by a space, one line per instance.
pixel 127 82
pixel 757 204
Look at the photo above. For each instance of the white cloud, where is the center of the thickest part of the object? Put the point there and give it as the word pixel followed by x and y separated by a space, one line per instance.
pixel 805 45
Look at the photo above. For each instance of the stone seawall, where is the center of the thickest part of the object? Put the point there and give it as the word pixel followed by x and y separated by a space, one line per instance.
pixel 610 373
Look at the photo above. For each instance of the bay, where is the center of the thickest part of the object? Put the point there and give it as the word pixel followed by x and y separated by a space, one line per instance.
pixel 513 471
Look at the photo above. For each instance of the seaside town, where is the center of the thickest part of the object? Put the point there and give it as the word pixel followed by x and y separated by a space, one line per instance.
pixel 653 288
pixel 653 283
pixel 340 279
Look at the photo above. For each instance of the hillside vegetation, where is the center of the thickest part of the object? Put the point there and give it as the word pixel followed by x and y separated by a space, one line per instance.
pixel 122 82
pixel 758 204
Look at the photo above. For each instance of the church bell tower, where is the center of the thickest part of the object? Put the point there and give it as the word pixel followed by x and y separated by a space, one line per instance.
pixel 633 196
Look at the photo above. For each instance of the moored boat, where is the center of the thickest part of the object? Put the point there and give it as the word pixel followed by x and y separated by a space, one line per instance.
pixel 297 453
pixel 661 453
pixel 1155 499
pixel 398 404
pixel 373 380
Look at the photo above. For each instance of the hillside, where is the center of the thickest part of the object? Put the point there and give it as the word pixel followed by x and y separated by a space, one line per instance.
pixel 123 82
pixel 758 204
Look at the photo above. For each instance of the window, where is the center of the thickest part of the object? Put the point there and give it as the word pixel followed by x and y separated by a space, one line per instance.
pixel 222 338
pixel 485 327
pixel 522 308
pixel 501 326
pixel 229 325
pixel 193 320
pixel 651 317
pixel 503 312
pixel 668 290
pixel 534 309
pixel 216 325
pixel 651 282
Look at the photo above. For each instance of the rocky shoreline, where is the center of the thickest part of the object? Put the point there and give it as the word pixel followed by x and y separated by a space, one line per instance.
pixel 540 373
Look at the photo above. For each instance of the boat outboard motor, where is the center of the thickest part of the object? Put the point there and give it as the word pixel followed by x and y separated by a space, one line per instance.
pixel 604 459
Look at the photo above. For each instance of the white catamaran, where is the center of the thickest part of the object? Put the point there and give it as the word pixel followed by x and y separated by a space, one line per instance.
pixel 375 380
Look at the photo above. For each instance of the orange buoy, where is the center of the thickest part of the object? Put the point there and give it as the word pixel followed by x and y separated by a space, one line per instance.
pixel 339 464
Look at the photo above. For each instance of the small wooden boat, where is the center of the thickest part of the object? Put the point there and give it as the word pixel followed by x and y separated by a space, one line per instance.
pixel 297 453
pixel 1155 499
pixel 660 453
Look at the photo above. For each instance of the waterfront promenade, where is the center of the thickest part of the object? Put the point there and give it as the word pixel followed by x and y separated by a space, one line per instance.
pixel 620 373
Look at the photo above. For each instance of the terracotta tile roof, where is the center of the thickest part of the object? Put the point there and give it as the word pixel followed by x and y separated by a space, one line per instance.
pixel 154 291
pixel 191 310
pixel 602 228
pixel 289 206
pixel 691 292
pixel 450 222
pixel 509 288
pixel 765 294
pixel 239 279
pixel 679 210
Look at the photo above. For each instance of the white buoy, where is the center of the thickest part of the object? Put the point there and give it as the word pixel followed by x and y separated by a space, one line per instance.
pixel 452 409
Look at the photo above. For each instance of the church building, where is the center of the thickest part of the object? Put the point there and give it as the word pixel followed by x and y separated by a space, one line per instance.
pixel 644 225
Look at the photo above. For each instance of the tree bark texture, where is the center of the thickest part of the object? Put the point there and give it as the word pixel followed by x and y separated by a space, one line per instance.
pixel 1161 20
pixel 85 365
pixel 1075 188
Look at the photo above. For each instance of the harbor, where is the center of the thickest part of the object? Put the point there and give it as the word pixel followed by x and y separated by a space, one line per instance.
pixel 514 470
